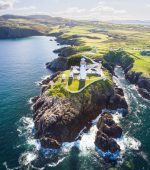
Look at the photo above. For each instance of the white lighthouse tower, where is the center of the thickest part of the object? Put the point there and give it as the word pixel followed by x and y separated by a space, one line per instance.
pixel 83 69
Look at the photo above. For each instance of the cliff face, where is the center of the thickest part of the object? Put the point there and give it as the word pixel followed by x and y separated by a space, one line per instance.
pixel 123 59
pixel 8 32
pixel 60 119
pixel 143 83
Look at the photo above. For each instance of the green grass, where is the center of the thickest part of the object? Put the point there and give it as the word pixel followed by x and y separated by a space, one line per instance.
pixel 60 88
pixel 141 63
pixel 108 36
pixel 75 84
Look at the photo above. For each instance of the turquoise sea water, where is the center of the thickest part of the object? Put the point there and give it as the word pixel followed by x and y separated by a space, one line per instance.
pixel 22 64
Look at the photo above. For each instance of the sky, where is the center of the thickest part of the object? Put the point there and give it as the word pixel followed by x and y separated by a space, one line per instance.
pixel 80 9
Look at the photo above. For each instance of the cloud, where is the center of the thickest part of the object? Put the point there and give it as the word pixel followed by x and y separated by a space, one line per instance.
pixel 6 4
pixel 24 9
pixel 101 12
pixel 148 5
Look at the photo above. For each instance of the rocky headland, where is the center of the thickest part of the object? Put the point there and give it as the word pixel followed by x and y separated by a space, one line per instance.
pixel 69 57
pixel 10 32
pixel 61 119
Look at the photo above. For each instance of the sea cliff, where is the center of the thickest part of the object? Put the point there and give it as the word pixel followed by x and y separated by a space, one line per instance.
pixel 10 32
pixel 122 58
pixel 60 116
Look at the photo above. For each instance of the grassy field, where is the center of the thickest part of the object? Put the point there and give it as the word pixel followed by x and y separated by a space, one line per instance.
pixel 73 85
pixel 68 87
pixel 102 37
pixel 76 84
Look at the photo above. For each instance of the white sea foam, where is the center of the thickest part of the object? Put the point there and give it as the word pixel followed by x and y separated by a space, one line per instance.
pixel 117 117
pixel 39 83
pixel 128 143
pixel 26 125
pixel 27 157
pixel 86 143
pixel 7 168
pixel 30 100
pixel 55 164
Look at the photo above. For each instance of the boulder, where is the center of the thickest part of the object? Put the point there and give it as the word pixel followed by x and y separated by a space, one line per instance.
pixel 107 125
pixel 117 101
pixel 105 143
pixel 144 93
pixel 47 142
pixel 45 81
pixel 119 91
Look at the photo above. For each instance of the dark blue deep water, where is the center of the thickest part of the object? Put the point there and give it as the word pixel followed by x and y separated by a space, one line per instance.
pixel 22 64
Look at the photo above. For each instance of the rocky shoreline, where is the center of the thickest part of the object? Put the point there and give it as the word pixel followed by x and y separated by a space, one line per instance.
pixel 61 119
pixel 142 83
pixel 107 132
pixel 58 120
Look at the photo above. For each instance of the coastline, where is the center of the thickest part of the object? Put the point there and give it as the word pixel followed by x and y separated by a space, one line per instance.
pixel 40 101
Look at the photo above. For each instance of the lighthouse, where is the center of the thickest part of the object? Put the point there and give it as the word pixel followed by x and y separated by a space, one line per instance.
pixel 83 69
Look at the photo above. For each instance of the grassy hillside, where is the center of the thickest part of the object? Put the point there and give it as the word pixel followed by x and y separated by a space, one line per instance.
pixel 103 37
pixel 93 39
pixel 70 87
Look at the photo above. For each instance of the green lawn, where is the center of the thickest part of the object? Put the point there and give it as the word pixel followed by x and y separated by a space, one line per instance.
pixel 75 84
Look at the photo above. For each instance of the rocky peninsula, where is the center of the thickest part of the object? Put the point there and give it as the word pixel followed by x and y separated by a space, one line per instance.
pixel 60 116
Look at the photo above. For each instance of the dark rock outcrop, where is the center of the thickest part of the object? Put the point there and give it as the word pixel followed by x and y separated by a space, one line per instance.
pixel 66 51
pixel 105 143
pixel 45 81
pixel 117 101
pixel 107 131
pixel 142 83
pixel 107 125
pixel 61 119
pixel 34 99
pixel 144 93
pixel 59 64
pixel 50 143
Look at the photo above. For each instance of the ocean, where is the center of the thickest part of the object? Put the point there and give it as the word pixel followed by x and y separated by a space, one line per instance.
pixel 22 66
